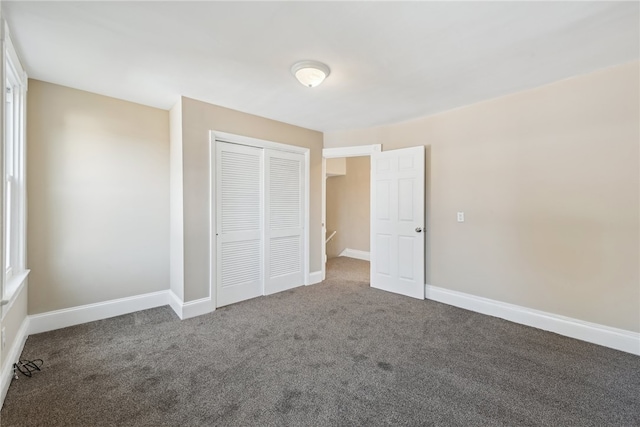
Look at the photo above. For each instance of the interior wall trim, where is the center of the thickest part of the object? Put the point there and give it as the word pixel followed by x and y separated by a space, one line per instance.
pixel 12 357
pixel 197 308
pixel 355 151
pixel 355 253
pixel 58 319
pixel 175 302
pixel 315 277
pixel 618 339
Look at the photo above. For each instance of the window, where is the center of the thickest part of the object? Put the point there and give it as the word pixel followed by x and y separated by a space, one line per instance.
pixel 14 191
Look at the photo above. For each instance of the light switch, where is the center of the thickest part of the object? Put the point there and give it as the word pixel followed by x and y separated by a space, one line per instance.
pixel 460 216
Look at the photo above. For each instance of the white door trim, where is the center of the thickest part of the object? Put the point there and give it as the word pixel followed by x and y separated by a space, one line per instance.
pixel 254 142
pixel 261 143
pixel 356 151
pixel 333 153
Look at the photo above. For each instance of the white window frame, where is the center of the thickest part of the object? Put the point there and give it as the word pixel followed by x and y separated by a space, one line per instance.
pixel 13 168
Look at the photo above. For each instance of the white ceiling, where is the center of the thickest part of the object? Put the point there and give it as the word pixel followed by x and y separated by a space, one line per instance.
pixel 390 61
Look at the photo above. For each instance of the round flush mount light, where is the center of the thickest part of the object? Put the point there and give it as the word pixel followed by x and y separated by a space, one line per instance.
pixel 310 73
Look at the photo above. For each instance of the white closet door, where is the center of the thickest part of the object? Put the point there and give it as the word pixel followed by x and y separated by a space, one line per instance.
pixel 239 197
pixel 284 250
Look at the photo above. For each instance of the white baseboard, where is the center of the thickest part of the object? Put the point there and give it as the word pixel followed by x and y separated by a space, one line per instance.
pixel 197 308
pixel 354 253
pixel 606 336
pixel 88 313
pixel 175 302
pixel 58 319
pixel 315 277
pixel 187 310
pixel 12 357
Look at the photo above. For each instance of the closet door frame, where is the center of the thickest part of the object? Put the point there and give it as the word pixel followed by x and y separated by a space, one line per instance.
pixel 214 137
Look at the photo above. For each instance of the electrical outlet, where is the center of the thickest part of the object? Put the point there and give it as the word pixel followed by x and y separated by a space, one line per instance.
pixel 460 216
pixel 3 338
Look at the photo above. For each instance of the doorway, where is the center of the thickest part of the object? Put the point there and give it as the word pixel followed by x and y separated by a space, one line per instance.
pixel 348 207
pixel 343 153
pixel 397 217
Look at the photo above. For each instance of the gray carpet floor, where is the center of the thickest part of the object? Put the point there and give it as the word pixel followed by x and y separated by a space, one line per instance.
pixel 336 353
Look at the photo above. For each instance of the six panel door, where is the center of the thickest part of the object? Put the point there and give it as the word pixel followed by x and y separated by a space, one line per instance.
pixel 397 222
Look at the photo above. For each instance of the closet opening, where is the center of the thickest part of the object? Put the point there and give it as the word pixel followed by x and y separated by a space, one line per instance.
pixel 259 217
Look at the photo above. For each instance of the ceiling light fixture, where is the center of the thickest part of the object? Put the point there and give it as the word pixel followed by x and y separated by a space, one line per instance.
pixel 310 73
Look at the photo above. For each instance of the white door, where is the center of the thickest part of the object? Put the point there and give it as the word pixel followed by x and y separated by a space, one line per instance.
pixel 284 222
pixel 397 221
pixel 239 202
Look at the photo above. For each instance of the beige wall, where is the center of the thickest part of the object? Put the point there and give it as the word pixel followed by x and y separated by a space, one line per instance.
pixel 337 214
pixel 98 196
pixel 198 118
pixel 358 190
pixel 336 166
pixel 348 207
pixel 549 182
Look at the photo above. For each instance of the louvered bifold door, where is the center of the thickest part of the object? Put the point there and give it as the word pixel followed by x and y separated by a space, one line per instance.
pixel 239 201
pixel 284 249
